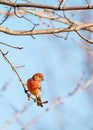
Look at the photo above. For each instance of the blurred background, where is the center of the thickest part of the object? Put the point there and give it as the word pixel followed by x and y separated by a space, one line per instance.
pixel 64 62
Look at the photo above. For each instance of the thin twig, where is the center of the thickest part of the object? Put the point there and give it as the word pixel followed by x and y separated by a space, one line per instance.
pixel 19 66
pixel 13 68
pixel 6 16
pixel 84 38
pixel 85 86
pixel 87 3
pixel 60 3
pixel 84 46
pixel 17 14
pixel 30 97
pixel 11 46
pixel 78 85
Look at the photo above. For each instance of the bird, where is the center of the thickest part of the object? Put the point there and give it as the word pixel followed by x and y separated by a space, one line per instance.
pixel 34 87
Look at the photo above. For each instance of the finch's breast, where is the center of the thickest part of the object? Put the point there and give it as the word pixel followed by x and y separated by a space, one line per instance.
pixel 33 87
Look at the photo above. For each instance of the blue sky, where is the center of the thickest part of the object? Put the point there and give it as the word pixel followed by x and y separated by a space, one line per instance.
pixel 62 62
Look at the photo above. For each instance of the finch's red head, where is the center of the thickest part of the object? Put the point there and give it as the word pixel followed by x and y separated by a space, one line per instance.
pixel 38 76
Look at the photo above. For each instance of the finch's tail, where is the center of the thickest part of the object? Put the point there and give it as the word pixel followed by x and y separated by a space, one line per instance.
pixel 39 103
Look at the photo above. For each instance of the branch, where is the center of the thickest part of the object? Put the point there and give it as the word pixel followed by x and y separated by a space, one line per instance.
pixel 46 14
pixel 6 85
pixel 74 27
pixel 30 97
pixel 83 88
pixel 11 46
pixel 84 38
pixel 6 16
pixel 87 48
pixel 60 2
pixel 12 4
pixel 15 117
pixel 13 68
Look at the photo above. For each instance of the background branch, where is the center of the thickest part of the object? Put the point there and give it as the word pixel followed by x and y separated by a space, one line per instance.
pixel 46 6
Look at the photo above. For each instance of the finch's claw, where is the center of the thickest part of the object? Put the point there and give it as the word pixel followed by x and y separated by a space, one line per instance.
pixel 29 96
pixel 26 91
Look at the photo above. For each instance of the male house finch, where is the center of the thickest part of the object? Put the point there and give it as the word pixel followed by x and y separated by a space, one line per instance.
pixel 34 87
